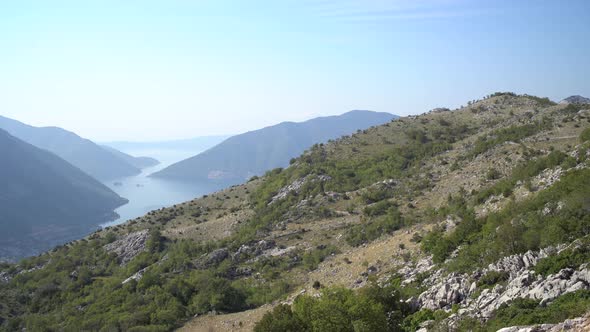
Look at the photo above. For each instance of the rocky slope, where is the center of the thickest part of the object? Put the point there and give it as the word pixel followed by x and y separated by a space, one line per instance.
pixel 476 218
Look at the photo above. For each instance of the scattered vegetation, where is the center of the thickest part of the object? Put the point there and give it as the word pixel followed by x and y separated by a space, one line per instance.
pixel 524 172
pixel 90 280
pixel 519 227
pixel 413 321
pixel 383 222
pixel 492 278
pixel 363 186
pixel 511 134
pixel 569 258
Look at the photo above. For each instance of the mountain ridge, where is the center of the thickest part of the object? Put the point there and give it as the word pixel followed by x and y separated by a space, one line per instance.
pixel 254 152
pixel 78 151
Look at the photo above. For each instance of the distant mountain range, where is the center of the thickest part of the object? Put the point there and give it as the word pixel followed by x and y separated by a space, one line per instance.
pixel 45 201
pixel 97 161
pixel 255 152
pixel 576 100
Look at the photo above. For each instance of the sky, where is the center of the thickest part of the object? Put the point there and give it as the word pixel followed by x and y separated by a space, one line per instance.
pixel 142 70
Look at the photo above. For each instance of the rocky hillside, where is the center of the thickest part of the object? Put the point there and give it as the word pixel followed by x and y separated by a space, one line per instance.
pixel 471 219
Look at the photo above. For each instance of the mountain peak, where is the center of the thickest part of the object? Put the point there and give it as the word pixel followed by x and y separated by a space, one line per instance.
pixel 576 99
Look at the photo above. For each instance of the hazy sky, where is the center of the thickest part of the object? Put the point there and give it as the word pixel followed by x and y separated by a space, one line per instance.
pixel 146 70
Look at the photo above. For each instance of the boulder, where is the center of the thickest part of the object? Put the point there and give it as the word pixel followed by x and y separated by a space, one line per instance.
pixel 216 256
pixel 296 185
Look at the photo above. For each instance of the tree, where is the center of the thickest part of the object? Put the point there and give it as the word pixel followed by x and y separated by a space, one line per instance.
pixel 154 242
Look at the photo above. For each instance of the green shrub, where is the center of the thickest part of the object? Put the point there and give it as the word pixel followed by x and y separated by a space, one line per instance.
pixel 374 228
pixel 498 94
pixel 281 319
pixel 528 312
pixel 371 308
pixel 378 209
pixel 155 241
pixel 215 294
pixel 519 227
pixel 570 258
pixel 412 322
pixel 491 278
pixel 493 174
pixel 512 133
pixel 373 195
pixel 542 101
pixel 525 172
pixel 258 294
pixel 313 258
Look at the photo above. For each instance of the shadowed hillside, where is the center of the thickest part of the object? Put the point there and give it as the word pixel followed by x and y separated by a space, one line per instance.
pixel 45 201
pixel 96 161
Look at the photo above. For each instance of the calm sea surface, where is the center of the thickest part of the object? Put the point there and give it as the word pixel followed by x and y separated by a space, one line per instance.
pixel 146 194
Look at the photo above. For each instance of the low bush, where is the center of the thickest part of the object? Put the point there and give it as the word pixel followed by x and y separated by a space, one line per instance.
pixel 372 308
pixel 569 258
pixel 371 229
pixel 492 278
pixel 529 312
